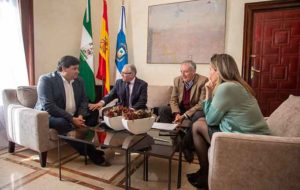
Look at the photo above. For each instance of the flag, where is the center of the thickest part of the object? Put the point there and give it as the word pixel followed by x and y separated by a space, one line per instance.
pixel 86 66
pixel 121 50
pixel 103 70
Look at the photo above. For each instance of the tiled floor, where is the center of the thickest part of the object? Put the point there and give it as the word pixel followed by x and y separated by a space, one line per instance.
pixel 21 170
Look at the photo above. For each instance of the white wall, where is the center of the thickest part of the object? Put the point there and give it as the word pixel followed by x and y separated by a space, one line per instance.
pixel 58 25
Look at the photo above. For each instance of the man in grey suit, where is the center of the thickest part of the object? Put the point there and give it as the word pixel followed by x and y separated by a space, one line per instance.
pixel 130 91
pixel 62 95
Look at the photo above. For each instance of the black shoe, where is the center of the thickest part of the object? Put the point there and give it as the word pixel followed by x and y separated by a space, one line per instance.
pixel 99 152
pixel 199 179
pixel 193 175
pixel 104 164
pixel 97 157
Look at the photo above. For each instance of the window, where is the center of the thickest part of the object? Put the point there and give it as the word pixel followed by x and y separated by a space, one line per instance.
pixel 13 70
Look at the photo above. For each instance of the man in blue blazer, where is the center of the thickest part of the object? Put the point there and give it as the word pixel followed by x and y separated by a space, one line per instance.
pixel 130 91
pixel 62 95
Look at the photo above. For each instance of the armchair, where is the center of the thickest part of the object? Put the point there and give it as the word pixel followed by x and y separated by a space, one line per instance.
pixel 26 126
pixel 240 161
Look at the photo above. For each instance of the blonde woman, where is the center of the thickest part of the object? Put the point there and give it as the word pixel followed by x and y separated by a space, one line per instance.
pixel 229 106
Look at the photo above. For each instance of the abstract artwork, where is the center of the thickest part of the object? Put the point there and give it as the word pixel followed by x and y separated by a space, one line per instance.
pixel 180 31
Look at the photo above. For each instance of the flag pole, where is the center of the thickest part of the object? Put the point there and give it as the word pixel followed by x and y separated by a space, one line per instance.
pixel 103 90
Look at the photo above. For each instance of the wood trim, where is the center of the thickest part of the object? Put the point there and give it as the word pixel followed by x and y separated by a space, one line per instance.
pixel 250 9
pixel 26 13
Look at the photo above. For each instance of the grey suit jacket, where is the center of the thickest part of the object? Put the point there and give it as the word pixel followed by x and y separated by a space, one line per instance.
pixel 52 98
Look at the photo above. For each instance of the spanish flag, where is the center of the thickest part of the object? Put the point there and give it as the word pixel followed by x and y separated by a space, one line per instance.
pixel 103 70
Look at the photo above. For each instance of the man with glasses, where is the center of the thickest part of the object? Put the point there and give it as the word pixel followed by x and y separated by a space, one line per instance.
pixel 130 91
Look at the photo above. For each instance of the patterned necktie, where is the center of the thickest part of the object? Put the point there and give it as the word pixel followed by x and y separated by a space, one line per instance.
pixel 127 91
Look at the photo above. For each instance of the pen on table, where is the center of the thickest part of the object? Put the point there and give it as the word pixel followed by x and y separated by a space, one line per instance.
pixel 159 139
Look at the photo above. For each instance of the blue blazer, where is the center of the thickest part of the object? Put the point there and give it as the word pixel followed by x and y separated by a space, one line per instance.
pixel 52 97
pixel 139 94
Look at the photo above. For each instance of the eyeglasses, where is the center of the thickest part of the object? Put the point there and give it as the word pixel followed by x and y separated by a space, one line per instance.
pixel 123 73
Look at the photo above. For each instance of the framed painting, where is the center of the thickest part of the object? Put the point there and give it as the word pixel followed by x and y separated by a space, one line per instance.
pixel 190 30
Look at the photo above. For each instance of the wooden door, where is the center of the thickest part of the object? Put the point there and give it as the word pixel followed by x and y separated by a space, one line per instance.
pixel 272 61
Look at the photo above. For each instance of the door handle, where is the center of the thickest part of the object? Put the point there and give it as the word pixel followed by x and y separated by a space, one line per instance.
pixel 254 71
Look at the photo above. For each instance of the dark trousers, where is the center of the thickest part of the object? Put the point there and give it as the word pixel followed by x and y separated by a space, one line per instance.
pixel 187 144
pixel 166 116
pixel 63 126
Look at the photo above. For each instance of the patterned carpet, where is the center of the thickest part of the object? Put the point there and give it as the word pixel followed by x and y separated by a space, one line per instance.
pixel 21 170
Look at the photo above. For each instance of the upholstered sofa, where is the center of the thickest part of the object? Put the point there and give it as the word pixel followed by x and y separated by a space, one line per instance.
pixel 26 126
pixel 30 128
pixel 260 162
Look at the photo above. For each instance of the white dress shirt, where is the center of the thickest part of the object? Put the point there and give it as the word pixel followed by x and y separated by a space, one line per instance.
pixel 70 100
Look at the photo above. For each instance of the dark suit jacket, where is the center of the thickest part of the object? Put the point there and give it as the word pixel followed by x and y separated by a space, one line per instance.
pixel 138 97
pixel 52 98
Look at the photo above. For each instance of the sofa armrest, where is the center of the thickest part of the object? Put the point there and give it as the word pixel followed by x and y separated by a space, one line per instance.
pixel 9 96
pixel 240 161
pixel 28 127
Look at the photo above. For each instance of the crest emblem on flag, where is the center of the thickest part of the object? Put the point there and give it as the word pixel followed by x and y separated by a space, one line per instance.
pixel 103 45
pixel 87 50
pixel 122 51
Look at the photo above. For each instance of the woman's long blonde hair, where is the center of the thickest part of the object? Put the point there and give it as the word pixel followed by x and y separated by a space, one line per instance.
pixel 228 70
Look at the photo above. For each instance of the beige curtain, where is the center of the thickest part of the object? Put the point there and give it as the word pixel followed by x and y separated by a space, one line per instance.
pixel 13 70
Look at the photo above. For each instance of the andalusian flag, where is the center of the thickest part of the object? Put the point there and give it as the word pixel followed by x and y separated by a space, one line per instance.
pixel 121 51
pixel 103 70
pixel 86 66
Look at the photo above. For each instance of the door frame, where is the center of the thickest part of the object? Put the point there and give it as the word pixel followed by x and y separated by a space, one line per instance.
pixel 250 9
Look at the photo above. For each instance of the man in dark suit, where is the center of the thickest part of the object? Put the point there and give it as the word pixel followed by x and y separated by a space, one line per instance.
pixel 130 91
pixel 62 95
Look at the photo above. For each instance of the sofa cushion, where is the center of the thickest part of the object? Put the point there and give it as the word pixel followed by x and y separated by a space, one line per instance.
pixel 158 95
pixel 285 120
pixel 27 95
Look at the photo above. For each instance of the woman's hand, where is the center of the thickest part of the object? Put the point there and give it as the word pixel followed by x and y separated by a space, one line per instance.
pixel 98 105
pixel 209 87
pixel 212 82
